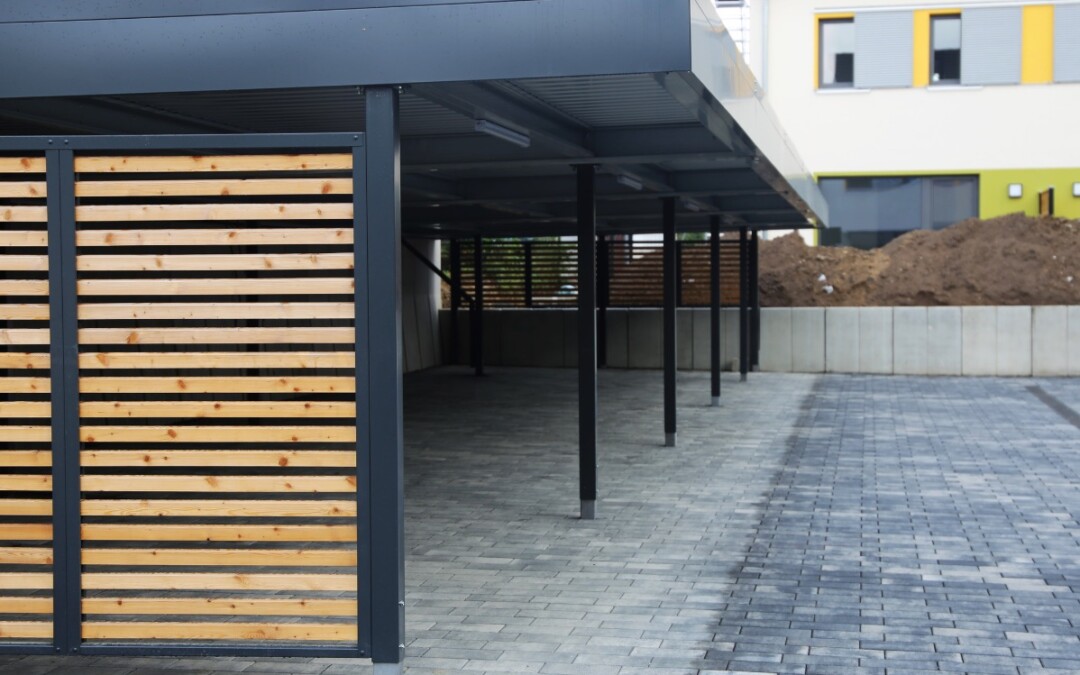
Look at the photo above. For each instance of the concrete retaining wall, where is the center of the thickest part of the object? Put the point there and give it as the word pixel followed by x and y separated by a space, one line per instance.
pixel 420 309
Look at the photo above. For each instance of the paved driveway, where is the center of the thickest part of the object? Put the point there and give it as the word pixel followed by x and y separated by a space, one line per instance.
pixel 812 525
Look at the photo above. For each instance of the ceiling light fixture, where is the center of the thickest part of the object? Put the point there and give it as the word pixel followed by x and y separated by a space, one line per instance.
pixel 504 133
pixel 692 206
pixel 629 182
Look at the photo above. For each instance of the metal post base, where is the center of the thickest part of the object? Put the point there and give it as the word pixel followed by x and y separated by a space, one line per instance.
pixel 389 669
pixel 742 377
pixel 588 509
pixel 669 440
pixel 716 401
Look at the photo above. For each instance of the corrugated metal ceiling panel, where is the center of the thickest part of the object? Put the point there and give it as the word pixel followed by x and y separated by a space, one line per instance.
pixel 617 101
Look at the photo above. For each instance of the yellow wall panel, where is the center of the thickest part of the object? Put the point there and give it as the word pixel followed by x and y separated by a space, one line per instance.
pixel 1038 60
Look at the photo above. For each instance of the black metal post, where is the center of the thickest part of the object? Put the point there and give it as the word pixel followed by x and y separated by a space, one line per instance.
pixel 383 397
pixel 455 300
pixel 587 394
pixel 755 302
pixel 527 249
pixel 476 313
pixel 744 304
pixel 714 307
pixel 670 293
pixel 603 297
pixel 678 273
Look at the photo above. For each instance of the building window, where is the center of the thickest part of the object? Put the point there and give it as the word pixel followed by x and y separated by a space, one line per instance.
pixel 837 59
pixel 945 49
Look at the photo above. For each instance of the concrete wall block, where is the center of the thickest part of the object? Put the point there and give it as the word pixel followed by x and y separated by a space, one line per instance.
pixel 910 340
pixel 570 338
pixel 842 340
pixel 645 339
pixel 808 340
pixel 684 339
pixel 776 340
pixel 944 341
pixel 700 321
pixel 980 340
pixel 524 338
pixel 1014 341
pixel 1074 340
pixel 729 343
pixel 616 338
pixel 876 340
pixel 1050 341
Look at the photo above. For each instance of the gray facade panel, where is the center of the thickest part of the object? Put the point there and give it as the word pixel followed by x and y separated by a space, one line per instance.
pixel 1067 43
pixel 990 50
pixel 883 49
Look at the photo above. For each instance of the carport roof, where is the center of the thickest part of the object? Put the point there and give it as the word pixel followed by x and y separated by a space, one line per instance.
pixel 654 93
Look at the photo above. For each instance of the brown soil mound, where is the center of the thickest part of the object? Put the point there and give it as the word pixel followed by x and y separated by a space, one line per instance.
pixel 1011 260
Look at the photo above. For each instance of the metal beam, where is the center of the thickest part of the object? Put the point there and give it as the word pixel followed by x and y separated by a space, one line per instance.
pixel 587 394
pixel 670 322
pixel 106 116
pixel 714 308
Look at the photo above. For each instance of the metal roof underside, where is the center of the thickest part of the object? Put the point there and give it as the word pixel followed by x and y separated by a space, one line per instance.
pixel 702 135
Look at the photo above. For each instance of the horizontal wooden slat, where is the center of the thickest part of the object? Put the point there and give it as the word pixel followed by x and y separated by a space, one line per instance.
pixel 204 263
pixel 215 385
pixel 197 409
pixel 39 458
pixel 139 213
pixel 24 189
pixel 219 533
pixel 17 555
pixel 27 483
pixel 208 336
pixel 220 187
pixel 291 508
pixel 213 163
pixel 25 434
pixel 33 409
pixel 212 310
pixel 218 581
pixel 221 606
pixel 128 630
pixel 24 263
pixel 25 581
pixel 246 557
pixel 207 484
pixel 307 236
pixel 23 605
pixel 171 287
pixel 27 630
pixel 23 361
pixel 22 165
pixel 23 214
pixel 9 287
pixel 24 336
pixel 222 434
pixel 150 361
pixel 25 385
pixel 264 458
pixel 27 531
pixel 24 312
pixel 26 507
pixel 24 238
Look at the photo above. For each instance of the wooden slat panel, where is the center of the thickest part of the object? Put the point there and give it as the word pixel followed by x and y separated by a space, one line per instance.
pixel 214 385
pixel 208 484
pixel 127 630
pixel 26 581
pixel 221 187
pixel 292 508
pixel 246 557
pixel 24 336
pixel 23 238
pixel 28 629
pixel 24 361
pixel 212 310
pixel 24 263
pixel 25 434
pixel 265 458
pixel 198 409
pixel 24 482
pixel 24 556
pixel 24 312
pixel 208 336
pixel 27 531
pixel 138 213
pixel 24 189
pixel 223 434
pixel 217 163
pixel 150 361
pixel 23 214
pixel 207 263
pixel 22 165
pixel 220 606
pixel 23 287
pixel 34 409
pixel 222 533
pixel 211 237
pixel 276 286
pixel 26 507
pixel 214 581
pixel 25 385
pixel 21 605
pixel 39 458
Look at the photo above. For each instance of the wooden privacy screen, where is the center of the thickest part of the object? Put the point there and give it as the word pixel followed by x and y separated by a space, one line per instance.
pixel 26 555
pixel 217 398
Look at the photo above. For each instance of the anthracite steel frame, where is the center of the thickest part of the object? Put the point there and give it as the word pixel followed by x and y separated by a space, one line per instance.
pixel 587 392
pixel 744 303
pixel 671 283
pixel 714 308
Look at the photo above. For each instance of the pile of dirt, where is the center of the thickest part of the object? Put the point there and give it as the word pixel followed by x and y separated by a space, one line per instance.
pixel 1011 260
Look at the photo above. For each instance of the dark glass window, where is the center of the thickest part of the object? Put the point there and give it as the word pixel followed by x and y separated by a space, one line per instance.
pixel 945 49
pixel 837 45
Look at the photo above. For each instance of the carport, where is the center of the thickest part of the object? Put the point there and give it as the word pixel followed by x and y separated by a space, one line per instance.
pixel 427 119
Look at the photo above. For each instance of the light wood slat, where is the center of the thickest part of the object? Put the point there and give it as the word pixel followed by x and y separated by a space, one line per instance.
pixel 222 434
pixel 24 336
pixel 27 531
pixel 25 385
pixel 264 458
pixel 32 409
pixel 216 163
pixel 200 409
pixel 139 213
pixel 22 165
pixel 24 238
pixel 15 555
pixel 38 458
pixel 24 360
pixel 209 336
pixel 25 434
pixel 171 287
pixel 21 605
pixel 221 187
pixel 291 508
pixel 209 484
pixel 218 581
pixel 26 507
pixel 215 385
pixel 25 483
pixel 25 581
pixel 24 189
pixel 24 312
pixel 24 263
pixel 129 630
pixel 219 533
pixel 150 361
pixel 216 556
pixel 212 310
pixel 23 214
pixel 213 237
pixel 207 263
pixel 23 287
pixel 221 606
pixel 27 630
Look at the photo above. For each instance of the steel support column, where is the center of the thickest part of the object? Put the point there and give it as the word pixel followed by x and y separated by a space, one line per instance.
pixel 670 291
pixel 527 251
pixel 586 219
pixel 755 302
pixel 455 300
pixel 744 304
pixel 383 398
pixel 603 297
pixel 714 307
pixel 476 313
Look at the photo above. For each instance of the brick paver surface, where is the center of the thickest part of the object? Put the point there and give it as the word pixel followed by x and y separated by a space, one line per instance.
pixel 812 525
